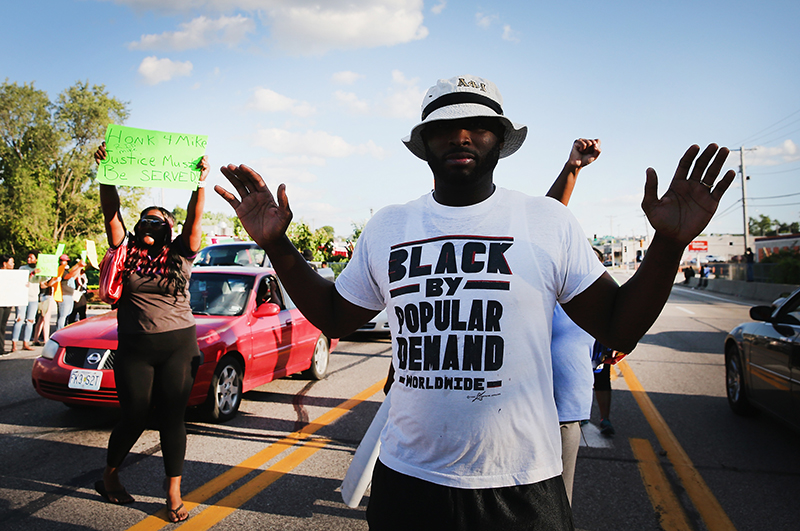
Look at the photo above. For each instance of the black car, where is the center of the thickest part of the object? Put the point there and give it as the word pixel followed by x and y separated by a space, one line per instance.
pixel 762 361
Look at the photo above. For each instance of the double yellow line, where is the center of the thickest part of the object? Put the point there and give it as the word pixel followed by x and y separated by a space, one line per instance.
pixel 665 502
pixel 304 448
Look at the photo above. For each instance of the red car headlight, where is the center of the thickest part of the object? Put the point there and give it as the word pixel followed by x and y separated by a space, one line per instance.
pixel 50 349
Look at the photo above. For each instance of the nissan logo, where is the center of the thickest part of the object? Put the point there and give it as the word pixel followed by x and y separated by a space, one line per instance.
pixel 94 358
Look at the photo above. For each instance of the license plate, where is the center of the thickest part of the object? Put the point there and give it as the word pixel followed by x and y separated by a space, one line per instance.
pixel 82 379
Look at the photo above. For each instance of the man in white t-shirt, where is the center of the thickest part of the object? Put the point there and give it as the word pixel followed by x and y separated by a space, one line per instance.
pixel 470 274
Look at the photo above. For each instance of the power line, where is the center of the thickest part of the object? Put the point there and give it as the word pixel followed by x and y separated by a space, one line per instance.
pixel 776 196
pixel 783 135
pixel 779 171
pixel 728 210
pixel 782 204
pixel 748 139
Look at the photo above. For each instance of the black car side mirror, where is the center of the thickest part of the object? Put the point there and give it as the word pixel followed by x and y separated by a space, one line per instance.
pixel 761 313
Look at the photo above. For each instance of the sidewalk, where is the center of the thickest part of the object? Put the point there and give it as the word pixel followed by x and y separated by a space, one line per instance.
pixel 758 291
pixel 19 353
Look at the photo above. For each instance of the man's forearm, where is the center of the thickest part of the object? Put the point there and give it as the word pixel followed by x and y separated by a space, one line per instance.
pixel 618 316
pixel 315 296
pixel 564 183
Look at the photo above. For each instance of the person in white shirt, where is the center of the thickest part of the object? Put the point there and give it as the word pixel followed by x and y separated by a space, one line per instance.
pixel 470 275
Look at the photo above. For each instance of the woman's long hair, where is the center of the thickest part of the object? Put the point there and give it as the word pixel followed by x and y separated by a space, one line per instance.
pixel 166 264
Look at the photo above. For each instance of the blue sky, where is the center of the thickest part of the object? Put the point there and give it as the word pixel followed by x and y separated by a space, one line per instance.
pixel 317 94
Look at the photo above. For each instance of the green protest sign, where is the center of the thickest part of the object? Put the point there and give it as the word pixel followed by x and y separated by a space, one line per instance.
pixel 47 265
pixel 60 249
pixel 141 157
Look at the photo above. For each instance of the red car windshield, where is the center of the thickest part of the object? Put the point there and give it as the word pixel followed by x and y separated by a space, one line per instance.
pixel 219 293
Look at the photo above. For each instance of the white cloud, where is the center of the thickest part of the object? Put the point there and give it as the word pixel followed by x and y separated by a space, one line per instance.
pixel 313 144
pixel 314 27
pixel 509 34
pixel 346 77
pixel 199 33
pixel 404 98
pixel 270 101
pixel 485 21
pixel 351 101
pixel 438 8
pixel 772 156
pixel 155 70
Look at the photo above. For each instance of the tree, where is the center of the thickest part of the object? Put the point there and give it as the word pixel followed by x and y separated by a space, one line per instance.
pixel 300 235
pixel 762 226
pixel 788 228
pixel 49 192
pixel 180 214
pixel 766 226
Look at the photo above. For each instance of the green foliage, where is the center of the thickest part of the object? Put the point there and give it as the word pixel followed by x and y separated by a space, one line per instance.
pixel 320 241
pixel 766 226
pixel 358 227
pixel 337 267
pixel 787 266
pixel 300 235
pixel 180 214
pixel 48 192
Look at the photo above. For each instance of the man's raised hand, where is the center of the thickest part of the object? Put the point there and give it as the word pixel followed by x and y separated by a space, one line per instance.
pixel 264 219
pixel 689 203
pixel 584 152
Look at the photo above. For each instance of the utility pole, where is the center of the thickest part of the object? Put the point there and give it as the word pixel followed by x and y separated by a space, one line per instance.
pixel 745 215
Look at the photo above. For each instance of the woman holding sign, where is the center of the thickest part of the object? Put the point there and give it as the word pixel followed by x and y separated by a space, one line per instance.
pixel 157 354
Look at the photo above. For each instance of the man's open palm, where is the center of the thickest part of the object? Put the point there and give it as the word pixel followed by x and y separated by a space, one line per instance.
pixel 689 203
pixel 264 219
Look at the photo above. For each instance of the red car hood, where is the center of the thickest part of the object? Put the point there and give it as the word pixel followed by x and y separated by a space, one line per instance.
pixel 104 328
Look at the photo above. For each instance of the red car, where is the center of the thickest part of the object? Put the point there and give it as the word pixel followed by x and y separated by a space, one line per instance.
pixel 248 330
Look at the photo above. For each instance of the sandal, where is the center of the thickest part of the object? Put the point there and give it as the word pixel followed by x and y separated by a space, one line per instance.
pixel 117 497
pixel 174 517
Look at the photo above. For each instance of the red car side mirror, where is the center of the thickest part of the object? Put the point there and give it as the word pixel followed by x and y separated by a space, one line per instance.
pixel 266 309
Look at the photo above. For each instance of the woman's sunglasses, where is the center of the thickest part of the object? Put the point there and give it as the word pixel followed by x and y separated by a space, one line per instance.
pixel 152 222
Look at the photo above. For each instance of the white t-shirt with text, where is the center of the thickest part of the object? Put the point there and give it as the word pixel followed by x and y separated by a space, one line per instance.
pixel 470 293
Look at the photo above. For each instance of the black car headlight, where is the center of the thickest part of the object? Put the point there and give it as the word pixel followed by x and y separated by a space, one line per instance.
pixel 50 349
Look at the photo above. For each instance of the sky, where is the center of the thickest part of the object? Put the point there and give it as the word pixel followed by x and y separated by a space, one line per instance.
pixel 318 94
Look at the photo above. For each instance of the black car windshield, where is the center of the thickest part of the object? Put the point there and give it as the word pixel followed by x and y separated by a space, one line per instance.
pixel 219 293
pixel 244 254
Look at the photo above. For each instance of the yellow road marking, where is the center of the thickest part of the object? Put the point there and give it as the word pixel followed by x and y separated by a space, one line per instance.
pixel 704 501
pixel 158 520
pixel 214 514
pixel 670 513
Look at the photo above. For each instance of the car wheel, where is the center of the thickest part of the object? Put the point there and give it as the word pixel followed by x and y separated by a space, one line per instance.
pixel 320 359
pixel 225 393
pixel 734 383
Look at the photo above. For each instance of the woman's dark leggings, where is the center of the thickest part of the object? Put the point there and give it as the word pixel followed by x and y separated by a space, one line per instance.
pixel 154 370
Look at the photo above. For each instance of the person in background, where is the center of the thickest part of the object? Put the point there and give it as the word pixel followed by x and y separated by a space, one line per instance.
pixel 688 274
pixel 26 315
pixel 602 392
pixel 750 258
pixel 157 356
pixel 65 289
pixel 47 304
pixel 79 308
pixel 571 346
pixel 309 257
pixel 5 311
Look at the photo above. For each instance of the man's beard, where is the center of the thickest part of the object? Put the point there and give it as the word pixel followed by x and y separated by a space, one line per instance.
pixel 446 175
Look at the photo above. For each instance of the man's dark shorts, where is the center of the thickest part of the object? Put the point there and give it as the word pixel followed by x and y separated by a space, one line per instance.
pixel 403 502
